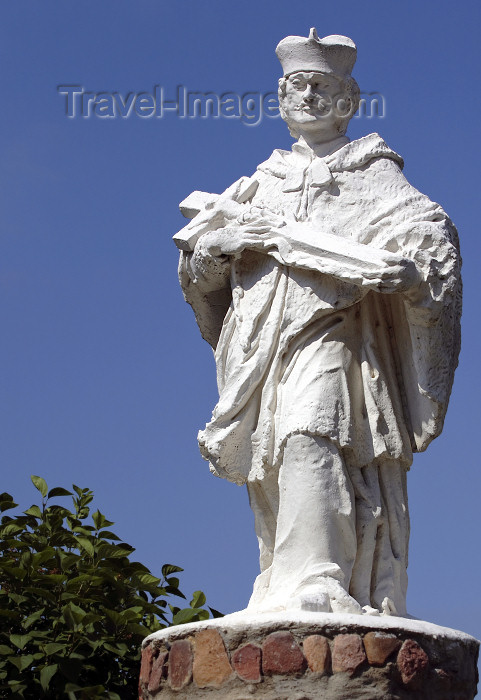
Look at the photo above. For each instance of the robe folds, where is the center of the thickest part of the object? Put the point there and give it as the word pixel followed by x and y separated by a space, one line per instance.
pixel 309 335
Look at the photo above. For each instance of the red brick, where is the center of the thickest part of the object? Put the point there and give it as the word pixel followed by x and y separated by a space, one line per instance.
pixel 247 662
pixel 180 664
pixel 158 672
pixel 348 654
pixel 412 662
pixel 211 664
pixel 281 654
pixel 317 653
pixel 146 665
pixel 379 647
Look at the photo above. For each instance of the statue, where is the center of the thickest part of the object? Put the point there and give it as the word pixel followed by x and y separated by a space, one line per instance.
pixel 330 290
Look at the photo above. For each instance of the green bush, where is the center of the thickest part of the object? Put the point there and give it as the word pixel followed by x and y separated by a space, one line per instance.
pixel 73 607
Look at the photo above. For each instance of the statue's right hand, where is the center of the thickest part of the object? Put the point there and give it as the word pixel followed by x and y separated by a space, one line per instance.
pixel 225 242
pixel 208 265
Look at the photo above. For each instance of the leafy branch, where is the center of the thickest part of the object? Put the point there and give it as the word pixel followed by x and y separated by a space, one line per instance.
pixel 74 607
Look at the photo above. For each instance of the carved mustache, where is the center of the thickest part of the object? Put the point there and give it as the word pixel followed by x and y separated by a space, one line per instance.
pixel 318 103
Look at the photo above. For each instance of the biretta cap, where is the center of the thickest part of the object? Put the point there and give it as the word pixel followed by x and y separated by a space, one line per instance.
pixel 332 54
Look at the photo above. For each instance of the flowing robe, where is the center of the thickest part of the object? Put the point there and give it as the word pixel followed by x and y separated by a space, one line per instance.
pixel 309 339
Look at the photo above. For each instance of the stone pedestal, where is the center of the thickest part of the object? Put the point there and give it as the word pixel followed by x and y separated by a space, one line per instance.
pixel 305 656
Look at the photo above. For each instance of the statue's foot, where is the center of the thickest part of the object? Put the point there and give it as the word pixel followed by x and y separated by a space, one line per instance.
pixel 325 596
pixel 341 601
pixel 388 607
pixel 311 600
pixel 369 610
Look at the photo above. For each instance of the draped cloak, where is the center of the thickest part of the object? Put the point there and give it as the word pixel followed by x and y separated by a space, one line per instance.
pixel 308 339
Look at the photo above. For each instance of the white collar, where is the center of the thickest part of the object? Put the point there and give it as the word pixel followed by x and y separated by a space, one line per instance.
pixel 322 150
pixel 353 154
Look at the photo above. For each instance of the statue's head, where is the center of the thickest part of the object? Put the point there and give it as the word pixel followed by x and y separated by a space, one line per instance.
pixel 317 94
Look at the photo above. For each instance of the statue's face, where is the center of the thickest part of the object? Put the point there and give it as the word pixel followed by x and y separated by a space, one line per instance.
pixel 311 101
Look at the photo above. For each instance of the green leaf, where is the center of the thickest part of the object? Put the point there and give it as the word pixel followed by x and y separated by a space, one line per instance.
pixel 91 617
pixel 98 519
pixel 41 557
pixel 135 609
pixel 116 617
pixel 85 530
pixel 148 579
pixel 168 569
pixel 53 648
pixel 6 504
pixel 135 628
pixel 198 599
pixel 20 640
pixel 40 484
pixel 46 675
pixel 129 615
pixel 69 618
pixel 173 582
pixel 26 559
pixel 117 650
pixel 59 491
pixel 21 662
pixel 33 618
pixel 114 551
pixel 174 591
pixel 35 511
pixel 73 614
pixel 86 544
pixel 41 593
pixel 77 490
pixel 5 651
pixel 11 529
pixel 67 560
pixel 17 598
pixel 93 692
pixel 107 535
pixel 9 614
pixel 77 609
pixel 40 635
pixel 185 615
pixel 53 578
pixel 14 571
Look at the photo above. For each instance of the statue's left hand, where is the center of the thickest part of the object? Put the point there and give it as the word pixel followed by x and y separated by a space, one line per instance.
pixel 260 219
pixel 401 276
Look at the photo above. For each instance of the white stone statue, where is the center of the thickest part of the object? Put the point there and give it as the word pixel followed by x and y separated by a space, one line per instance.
pixel 330 290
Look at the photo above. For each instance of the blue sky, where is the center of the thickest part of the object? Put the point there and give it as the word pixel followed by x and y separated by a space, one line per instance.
pixel 105 378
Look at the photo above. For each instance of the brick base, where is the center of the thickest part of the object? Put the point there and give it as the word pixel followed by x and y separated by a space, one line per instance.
pixel 309 656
